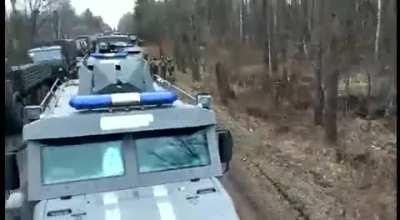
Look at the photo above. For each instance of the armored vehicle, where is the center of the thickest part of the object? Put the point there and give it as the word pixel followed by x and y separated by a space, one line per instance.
pixel 114 43
pixel 117 145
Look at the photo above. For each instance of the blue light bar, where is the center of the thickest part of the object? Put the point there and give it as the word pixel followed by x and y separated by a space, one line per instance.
pixel 90 101
pixel 157 98
pixel 109 55
pixel 122 99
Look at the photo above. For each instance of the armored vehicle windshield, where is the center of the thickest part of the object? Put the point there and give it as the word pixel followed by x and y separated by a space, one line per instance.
pixel 155 152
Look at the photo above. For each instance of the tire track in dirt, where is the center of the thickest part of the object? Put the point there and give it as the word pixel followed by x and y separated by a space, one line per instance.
pixel 274 187
pixel 294 204
pixel 301 168
pixel 262 203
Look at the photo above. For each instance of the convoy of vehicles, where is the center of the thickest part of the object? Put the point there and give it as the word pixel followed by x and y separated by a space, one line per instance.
pixel 117 144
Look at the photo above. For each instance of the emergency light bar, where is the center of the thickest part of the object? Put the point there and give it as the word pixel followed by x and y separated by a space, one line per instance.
pixel 122 99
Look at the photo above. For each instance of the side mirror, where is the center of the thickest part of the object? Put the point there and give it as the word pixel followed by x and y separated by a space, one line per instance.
pixel 204 100
pixel 11 172
pixel 225 145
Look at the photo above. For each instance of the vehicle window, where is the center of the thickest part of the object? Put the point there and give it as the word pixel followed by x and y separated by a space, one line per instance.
pixel 172 151
pixel 82 160
pixel 116 43
pixel 46 55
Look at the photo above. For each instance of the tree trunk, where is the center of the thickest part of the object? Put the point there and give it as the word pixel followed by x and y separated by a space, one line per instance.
pixel 195 69
pixel 224 89
pixel 34 18
pixel 272 42
pixel 269 58
pixel 319 101
pixel 331 110
pixel 241 19
pixel 220 79
pixel 378 30
pixel 319 94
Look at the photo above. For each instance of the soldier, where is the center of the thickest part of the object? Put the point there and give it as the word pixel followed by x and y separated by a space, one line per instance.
pixel 146 57
pixel 171 68
pixel 153 66
pixel 104 48
pixel 163 66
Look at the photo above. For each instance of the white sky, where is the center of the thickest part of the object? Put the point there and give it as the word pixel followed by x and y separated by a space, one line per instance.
pixel 110 10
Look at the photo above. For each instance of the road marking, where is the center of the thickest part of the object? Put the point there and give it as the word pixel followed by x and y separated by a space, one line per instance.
pixel 110 198
pixel 160 190
pixel 113 214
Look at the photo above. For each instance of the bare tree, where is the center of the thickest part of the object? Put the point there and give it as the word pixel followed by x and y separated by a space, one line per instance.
pixel 312 47
pixel 378 30
pixel 331 110
pixel 35 8
pixel 335 62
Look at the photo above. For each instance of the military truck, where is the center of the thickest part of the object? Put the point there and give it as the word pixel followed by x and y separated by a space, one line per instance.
pixel 28 84
pixel 82 44
pixel 115 144
pixel 69 51
pixel 52 56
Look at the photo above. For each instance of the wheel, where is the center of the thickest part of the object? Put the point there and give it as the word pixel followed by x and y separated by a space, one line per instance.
pixel 17 113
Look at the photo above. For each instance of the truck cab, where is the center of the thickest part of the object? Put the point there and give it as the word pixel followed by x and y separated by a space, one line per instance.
pixel 52 56
pixel 131 155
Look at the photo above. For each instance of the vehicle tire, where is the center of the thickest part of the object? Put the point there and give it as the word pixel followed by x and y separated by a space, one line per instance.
pixel 8 106
pixel 17 113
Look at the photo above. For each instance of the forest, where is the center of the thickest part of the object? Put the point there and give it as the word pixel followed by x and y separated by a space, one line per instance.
pixel 307 86
pixel 45 21
pixel 342 41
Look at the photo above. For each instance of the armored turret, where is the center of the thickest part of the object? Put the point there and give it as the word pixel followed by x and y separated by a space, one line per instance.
pixel 125 71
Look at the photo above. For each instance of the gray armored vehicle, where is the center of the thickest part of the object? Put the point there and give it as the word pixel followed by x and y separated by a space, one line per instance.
pixel 117 145
pixel 114 43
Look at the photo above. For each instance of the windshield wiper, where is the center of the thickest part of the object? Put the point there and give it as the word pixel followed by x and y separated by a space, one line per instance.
pixel 170 163
pixel 186 146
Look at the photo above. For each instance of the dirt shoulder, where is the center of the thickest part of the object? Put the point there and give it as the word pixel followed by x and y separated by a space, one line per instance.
pixel 283 169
